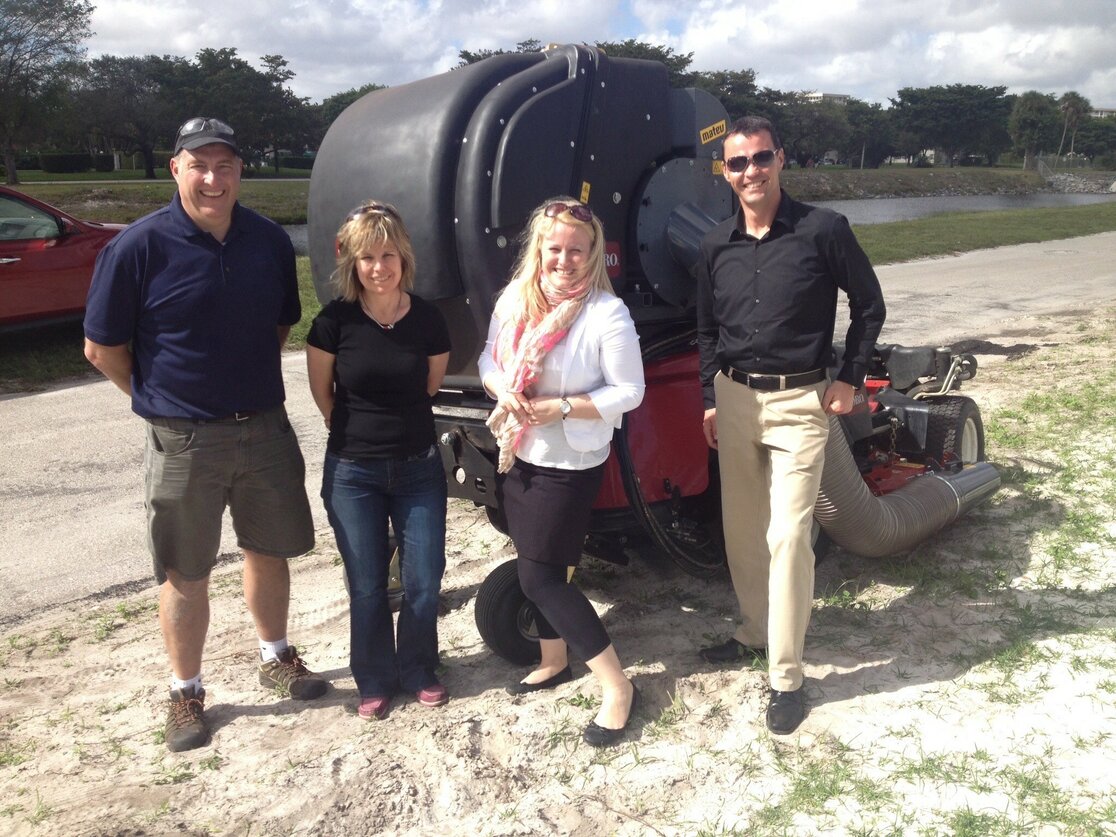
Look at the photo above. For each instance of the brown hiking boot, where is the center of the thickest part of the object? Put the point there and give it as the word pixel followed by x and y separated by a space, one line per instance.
pixel 290 674
pixel 186 728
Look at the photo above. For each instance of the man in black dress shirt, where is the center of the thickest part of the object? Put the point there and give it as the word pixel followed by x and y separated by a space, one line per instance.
pixel 766 304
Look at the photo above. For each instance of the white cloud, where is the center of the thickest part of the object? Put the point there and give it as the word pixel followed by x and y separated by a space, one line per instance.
pixel 863 47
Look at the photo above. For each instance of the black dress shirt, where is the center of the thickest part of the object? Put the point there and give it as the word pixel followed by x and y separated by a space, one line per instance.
pixel 768 305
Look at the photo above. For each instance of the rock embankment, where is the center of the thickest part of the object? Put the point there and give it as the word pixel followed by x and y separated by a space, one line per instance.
pixel 1086 183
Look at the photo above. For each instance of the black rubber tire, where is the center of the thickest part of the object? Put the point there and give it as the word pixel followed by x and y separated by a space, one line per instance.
pixel 497 518
pixel 506 618
pixel 955 426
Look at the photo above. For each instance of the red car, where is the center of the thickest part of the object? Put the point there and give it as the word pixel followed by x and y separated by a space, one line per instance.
pixel 46 260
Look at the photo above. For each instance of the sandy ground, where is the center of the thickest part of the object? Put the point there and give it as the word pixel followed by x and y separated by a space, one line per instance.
pixel 965 688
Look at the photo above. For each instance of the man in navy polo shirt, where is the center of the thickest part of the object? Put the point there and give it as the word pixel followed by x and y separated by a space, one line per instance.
pixel 187 313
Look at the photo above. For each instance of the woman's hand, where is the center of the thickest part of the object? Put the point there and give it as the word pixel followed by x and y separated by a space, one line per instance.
pixel 517 404
pixel 544 410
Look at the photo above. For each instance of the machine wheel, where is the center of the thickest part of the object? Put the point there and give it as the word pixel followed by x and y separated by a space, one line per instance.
pixel 497 518
pixel 506 618
pixel 955 426
pixel 395 576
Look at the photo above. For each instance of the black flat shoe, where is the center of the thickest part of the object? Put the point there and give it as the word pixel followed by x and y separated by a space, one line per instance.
pixel 564 676
pixel 732 651
pixel 785 711
pixel 597 736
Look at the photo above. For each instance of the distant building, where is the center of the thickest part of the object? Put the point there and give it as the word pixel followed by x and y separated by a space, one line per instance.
pixel 836 98
pixel 1104 113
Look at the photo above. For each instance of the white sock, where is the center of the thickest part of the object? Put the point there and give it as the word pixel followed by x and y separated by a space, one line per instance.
pixel 272 650
pixel 193 683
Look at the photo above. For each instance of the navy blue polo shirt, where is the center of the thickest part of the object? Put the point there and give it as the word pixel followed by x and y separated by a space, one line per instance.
pixel 201 315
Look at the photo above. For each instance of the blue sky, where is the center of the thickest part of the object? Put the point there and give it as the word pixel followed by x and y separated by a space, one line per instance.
pixel 867 48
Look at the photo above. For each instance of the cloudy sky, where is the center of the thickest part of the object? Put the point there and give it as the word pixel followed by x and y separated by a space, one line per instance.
pixel 867 48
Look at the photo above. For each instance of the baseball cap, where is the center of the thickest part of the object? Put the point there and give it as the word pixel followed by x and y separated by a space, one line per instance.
pixel 203 130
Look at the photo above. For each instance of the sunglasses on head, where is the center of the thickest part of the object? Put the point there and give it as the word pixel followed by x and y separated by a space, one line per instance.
pixel 372 209
pixel 761 159
pixel 203 123
pixel 578 210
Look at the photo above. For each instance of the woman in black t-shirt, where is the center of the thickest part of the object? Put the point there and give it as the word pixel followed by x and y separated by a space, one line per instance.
pixel 376 355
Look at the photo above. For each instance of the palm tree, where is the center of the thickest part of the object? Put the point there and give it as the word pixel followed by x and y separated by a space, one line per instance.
pixel 1073 106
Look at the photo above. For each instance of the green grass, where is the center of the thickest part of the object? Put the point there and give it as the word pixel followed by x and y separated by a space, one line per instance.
pixel 284 201
pixel 949 233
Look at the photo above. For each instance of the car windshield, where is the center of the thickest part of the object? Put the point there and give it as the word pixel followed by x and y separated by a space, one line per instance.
pixel 20 221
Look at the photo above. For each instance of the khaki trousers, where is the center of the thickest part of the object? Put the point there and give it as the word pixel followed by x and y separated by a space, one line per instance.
pixel 771 449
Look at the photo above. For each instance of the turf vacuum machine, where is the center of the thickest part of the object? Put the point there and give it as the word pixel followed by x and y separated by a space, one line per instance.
pixel 466 155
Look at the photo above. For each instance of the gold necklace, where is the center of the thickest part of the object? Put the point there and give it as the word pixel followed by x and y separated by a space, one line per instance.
pixel 394 317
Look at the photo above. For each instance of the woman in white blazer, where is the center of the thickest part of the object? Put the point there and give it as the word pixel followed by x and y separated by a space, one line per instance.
pixel 562 361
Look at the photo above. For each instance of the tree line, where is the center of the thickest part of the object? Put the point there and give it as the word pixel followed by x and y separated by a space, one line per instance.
pixel 51 98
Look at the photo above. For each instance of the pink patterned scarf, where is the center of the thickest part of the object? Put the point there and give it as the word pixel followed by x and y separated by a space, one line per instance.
pixel 519 351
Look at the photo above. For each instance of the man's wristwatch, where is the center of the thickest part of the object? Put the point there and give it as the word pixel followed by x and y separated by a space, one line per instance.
pixel 564 407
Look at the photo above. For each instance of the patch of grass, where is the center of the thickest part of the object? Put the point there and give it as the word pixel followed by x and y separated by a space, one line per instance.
pixel 12 756
pixel 583 701
pixel 174 774
pixel 41 812
pixel 815 779
pixel 671 716
pixel 969 823
pixel 105 624
pixel 950 233
pixel 564 733
pixel 845 597
pixel 296 341
pixel 124 201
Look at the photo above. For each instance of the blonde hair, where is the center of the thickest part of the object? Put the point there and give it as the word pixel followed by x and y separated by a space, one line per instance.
pixel 370 224
pixel 522 298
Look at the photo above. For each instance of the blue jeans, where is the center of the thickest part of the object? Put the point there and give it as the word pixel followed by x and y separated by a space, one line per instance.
pixel 360 497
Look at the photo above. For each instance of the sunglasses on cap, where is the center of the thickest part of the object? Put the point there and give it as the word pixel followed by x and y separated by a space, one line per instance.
pixel 203 130
pixel 203 123
pixel 761 159
pixel 578 210
pixel 373 208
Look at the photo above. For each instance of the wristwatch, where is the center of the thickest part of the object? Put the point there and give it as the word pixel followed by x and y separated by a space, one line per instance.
pixel 564 407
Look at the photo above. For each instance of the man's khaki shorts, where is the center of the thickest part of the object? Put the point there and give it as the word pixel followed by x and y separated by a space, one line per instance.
pixel 195 469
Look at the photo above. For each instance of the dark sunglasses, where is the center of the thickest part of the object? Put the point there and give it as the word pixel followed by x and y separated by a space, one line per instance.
pixel 762 159
pixel 372 209
pixel 203 123
pixel 578 210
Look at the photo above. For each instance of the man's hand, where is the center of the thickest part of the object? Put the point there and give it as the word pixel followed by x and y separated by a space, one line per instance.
pixel 709 427
pixel 838 398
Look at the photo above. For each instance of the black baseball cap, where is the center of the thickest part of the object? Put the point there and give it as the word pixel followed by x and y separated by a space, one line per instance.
pixel 204 130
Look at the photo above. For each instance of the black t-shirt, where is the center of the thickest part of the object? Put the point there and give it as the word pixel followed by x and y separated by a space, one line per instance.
pixel 381 407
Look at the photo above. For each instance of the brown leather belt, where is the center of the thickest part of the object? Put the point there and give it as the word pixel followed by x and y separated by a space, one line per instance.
pixel 771 383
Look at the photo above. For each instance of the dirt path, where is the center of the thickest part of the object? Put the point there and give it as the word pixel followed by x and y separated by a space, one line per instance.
pixel 968 688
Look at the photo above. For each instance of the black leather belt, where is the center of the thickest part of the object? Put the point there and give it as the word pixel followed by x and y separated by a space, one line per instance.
pixel 243 415
pixel 771 383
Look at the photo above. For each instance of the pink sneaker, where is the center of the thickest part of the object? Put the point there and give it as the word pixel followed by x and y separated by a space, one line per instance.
pixel 435 695
pixel 373 708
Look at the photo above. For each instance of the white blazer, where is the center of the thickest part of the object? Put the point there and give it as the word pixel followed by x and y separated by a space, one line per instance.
pixel 601 360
